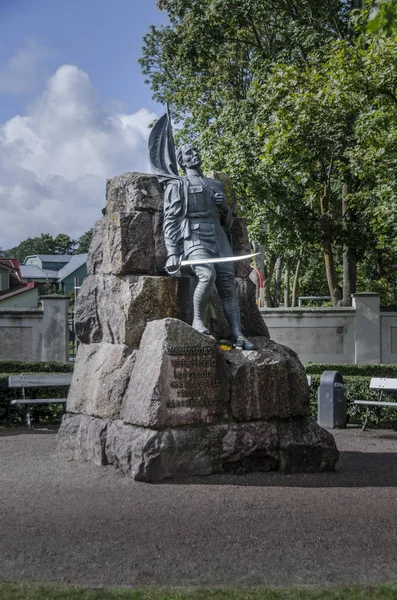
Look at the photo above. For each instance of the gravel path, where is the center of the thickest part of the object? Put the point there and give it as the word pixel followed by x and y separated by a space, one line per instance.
pixel 75 522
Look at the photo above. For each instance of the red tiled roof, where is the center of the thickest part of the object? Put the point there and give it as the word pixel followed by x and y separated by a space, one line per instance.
pixel 12 264
pixel 6 263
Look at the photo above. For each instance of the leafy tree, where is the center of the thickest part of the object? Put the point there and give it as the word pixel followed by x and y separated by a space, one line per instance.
pixel 83 243
pixel 285 97
pixel 42 244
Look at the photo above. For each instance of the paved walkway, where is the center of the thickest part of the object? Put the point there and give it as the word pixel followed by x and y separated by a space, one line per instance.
pixel 75 522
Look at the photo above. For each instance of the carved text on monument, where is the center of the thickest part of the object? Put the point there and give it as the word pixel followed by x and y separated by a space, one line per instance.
pixel 194 380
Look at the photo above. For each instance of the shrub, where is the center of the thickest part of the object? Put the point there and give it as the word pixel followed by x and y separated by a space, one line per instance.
pixel 45 412
pixel 356 379
pixel 354 370
pixel 18 366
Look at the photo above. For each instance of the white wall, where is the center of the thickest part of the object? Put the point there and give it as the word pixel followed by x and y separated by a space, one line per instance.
pixel 316 334
pixel 388 328
pixel 36 333
pixel 361 334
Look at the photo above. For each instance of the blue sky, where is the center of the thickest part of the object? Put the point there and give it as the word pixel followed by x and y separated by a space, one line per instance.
pixel 74 109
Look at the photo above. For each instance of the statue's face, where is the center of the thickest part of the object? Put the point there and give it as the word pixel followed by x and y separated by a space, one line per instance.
pixel 190 156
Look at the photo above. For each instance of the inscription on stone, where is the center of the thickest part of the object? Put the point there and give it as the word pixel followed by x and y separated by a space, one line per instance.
pixel 195 382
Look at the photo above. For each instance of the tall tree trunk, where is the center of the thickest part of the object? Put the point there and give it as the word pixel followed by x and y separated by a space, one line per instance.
pixel 286 283
pixel 277 280
pixel 349 254
pixel 296 278
pixel 267 280
pixel 260 264
pixel 330 271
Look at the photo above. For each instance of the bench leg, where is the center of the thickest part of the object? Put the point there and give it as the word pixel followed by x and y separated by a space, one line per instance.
pixel 366 419
pixel 27 416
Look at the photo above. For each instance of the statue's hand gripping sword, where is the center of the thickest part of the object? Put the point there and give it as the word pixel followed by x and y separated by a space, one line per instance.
pixel 205 261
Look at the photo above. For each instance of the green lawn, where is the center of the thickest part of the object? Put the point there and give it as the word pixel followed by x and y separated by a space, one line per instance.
pixel 28 591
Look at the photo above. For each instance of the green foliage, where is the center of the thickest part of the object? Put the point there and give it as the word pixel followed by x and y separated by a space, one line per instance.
pixel 47 412
pixel 16 367
pixel 42 244
pixel 37 591
pixel 356 379
pixel 83 243
pixel 296 102
pixel 381 16
pixel 353 370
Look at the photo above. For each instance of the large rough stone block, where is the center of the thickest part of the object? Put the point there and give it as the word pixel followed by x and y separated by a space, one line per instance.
pixel 116 309
pixel 159 244
pixel 153 455
pixel 128 246
pixel 240 247
pixel 101 376
pixel 180 378
pixel 131 192
pixel 83 438
pixel 95 253
pixel 304 442
pixel 150 455
pixel 251 318
pixel 296 445
pixel 252 322
pixel 267 383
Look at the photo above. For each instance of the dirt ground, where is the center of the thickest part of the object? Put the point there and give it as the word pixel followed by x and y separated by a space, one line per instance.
pixel 75 522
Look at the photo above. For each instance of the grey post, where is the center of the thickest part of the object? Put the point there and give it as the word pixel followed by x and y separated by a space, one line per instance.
pixel 331 400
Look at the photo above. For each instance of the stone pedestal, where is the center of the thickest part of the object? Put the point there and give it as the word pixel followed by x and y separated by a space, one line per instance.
pixel 154 397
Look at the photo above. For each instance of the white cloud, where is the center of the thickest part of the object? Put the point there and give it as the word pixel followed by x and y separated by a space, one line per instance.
pixel 21 72
pixel 54 161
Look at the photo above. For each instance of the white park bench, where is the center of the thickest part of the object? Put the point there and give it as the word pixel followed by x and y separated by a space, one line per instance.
pixel 25 382
pixel 383 384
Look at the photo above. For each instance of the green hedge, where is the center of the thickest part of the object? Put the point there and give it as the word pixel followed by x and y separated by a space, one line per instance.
pixel 357 388
pixel 354 370
pixel 356 379
pixel 11 415
pixel 17 367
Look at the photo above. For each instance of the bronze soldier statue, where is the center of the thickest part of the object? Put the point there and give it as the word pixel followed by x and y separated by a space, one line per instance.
pixel 196 222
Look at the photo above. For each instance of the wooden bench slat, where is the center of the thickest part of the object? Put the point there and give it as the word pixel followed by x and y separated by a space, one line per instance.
pixel 39 401
pixel 42 380
pixel 383 383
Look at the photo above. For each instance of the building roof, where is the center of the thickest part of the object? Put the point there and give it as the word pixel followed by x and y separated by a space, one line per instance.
pixel 34 272
pixel 12 265
pixel 20 289
pixel 5 263
pixel 57 258
pixel 76 261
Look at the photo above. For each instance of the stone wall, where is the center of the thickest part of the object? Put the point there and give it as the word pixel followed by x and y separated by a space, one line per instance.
pixel 359 335
pixel 37 333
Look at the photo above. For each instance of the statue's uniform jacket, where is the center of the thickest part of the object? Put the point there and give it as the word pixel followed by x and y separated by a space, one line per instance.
pixel 193 220
pixel 194 227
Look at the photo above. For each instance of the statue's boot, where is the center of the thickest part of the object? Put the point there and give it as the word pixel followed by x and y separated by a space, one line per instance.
pixel 242 342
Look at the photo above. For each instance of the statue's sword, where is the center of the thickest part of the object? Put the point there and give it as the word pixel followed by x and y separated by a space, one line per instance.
pixel 207 261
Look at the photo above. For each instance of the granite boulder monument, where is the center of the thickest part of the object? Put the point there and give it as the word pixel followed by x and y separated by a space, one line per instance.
pixel 176 376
